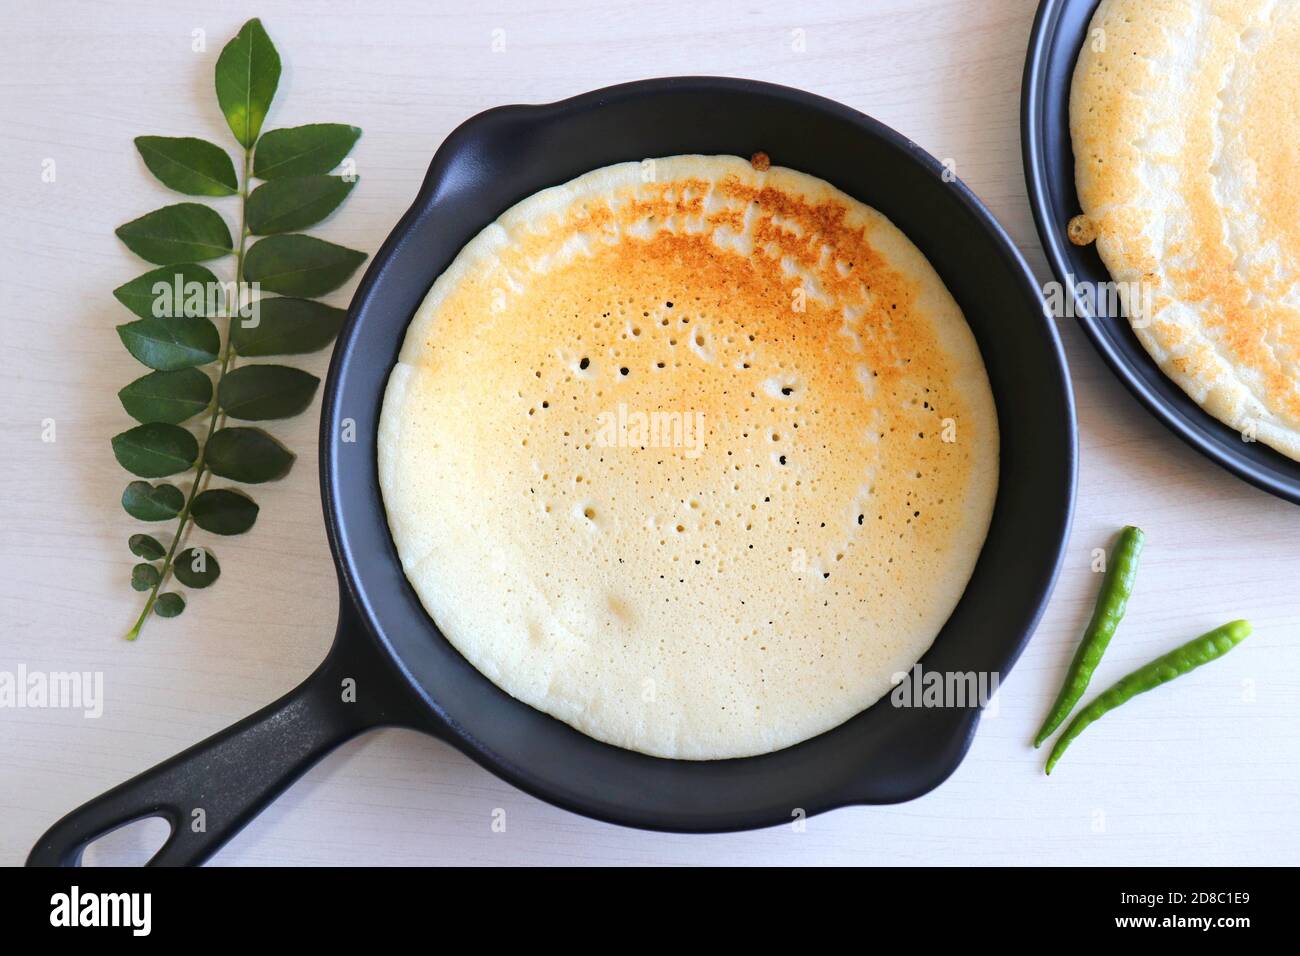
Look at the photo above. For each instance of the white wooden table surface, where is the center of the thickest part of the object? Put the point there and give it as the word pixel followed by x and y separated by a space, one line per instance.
pixel 1204 772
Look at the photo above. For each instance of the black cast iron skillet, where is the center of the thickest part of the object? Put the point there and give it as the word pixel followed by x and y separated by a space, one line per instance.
pixel 405 673
pixel 1058 34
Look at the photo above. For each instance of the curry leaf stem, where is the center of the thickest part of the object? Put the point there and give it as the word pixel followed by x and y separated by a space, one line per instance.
pixel 200 465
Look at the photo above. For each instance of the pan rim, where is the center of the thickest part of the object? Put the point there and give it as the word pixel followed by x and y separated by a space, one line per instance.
pixel 962 733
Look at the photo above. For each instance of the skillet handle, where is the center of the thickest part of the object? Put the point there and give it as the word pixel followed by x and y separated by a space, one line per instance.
pixel 211 791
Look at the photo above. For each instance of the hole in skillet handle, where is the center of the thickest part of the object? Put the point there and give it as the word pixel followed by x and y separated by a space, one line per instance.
pixel 1058 34
pixel 131 845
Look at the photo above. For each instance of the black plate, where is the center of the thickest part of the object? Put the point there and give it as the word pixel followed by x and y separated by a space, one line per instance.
pixel 405 672
pixel 1058 34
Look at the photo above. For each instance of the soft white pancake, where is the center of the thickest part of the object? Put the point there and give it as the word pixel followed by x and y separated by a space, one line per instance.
pixel 751 567
pixel 1185 116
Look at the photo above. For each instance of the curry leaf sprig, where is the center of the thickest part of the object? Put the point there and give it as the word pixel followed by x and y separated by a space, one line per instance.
pixel 192 328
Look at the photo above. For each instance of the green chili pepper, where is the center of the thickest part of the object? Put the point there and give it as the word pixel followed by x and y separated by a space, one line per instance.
pixel 1179 661
pixel 1112 601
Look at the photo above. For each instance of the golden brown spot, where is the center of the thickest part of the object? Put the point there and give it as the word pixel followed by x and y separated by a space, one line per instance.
pixel 1082 231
